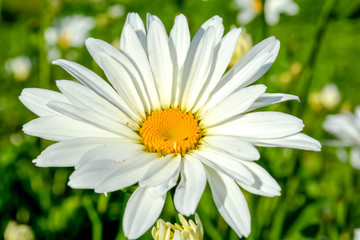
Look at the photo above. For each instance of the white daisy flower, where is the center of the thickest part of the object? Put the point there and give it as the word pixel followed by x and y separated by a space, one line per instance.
pixel 19 67
pixel 273 9
pixel 170 113
pixel 249 9
pixel 347 128
pixel 67 32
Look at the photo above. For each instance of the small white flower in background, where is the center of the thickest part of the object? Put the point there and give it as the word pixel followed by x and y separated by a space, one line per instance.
pixel 116 11
pixel 243 45
pixel 187 231
pixel 273 9
pixel 249 9
pixel 171 112
pixel 346 127
pixel 66 32
pixel 357 234
pixel 19 67
pixel 328 98
pixel 15 231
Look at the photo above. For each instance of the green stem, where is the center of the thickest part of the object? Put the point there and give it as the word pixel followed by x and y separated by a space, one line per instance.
pixel 94 218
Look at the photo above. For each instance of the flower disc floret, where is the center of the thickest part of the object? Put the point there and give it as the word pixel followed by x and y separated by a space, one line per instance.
pixel 170 131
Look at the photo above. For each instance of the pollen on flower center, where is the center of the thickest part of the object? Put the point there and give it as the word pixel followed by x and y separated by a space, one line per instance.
pixel 170 131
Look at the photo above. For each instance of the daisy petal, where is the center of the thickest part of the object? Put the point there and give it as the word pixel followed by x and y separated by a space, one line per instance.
pixel 160 61
pixel 131 171
pixel 59 128
pixel 299 141
pixel 131 46
pixel 90 175
pixel 230 201
pixel 267 99
pixel 215 23
pixel 191 186
pixel 98 48
pixel 179 42
pixel 233 146
pixel 83 97
pixel 223 54
pixel 235 82
pixel 225 164
pixel 36 99
pixel 260 125
pixel 264 184
pixel 68 153
pixel 141 212
pixel 94 119
pixel 161 170
pixel 126 88
pixel 233 105
pixel 201 66
pixel 134 20
pixel 91 80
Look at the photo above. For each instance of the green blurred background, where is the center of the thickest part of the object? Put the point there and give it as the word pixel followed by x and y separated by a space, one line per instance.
pixel 320 194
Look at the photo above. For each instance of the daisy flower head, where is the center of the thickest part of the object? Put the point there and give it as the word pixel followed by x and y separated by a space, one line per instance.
pixel 67 32
pixel 186 231
pixel 346 127
pixel 249 9
pixel 170 117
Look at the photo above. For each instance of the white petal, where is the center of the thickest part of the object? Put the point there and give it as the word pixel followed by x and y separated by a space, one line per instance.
pixel 126 88
pixel 98 47
pixel 59 128
pixel 299 141
pixel 84 98
pixel 91 80
pixel 260 125
pixel 191 186
pixel 258 61
pixel 90 175
pixel 163 188
pixel 118 151
pixel 201 66
pixel 134 20
pixel 222 58
pixel 224 163
pixel 141 212
pixel 68 153
pixel 230 202
pixel 267 99
pixel 131 171
pixel 234 83
pixel 343 126
pixel 214 22
pixel 161 170
pixel 233 146
pixel 179 42
pixel 93 118
pixel 264 184
pixel 36 99
pixel 233 105
pixel 160 61
pixel 131 46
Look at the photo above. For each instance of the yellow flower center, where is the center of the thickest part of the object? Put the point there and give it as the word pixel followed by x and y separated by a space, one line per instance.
pixel 257 6
pixel 170 131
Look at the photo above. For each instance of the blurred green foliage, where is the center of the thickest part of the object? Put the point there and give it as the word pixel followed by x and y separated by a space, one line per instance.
pixel 320 194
